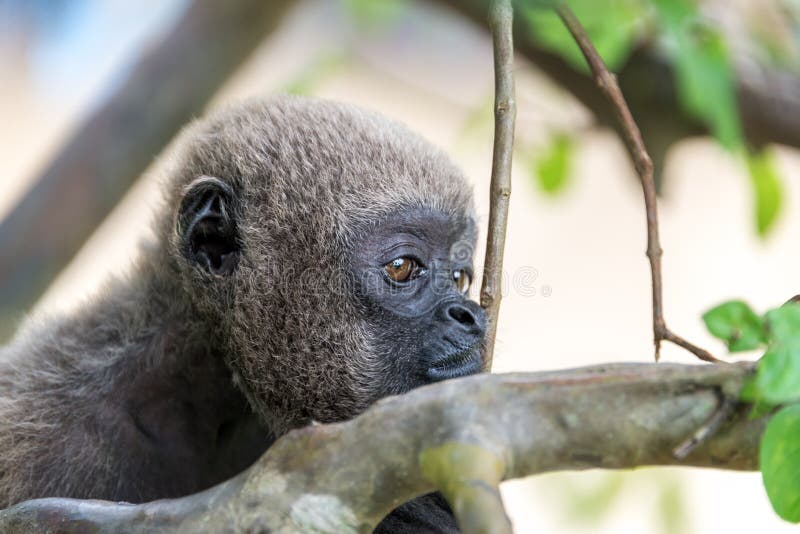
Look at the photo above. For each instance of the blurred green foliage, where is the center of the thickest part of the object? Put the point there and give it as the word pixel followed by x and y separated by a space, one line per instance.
pixel 767 189
pixel 701 62
pixel 551 167
pixel 671 508
pixel 591 504
pixel 695 49
pixel 314 74
pixel 703 70
pixel 590 498
pixel 372 13
pixel 613 26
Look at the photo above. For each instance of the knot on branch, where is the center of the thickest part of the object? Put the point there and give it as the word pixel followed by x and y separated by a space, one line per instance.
pixel 644 165
pixel 504 106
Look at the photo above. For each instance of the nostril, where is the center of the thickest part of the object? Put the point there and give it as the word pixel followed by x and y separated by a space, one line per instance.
pixel 461 315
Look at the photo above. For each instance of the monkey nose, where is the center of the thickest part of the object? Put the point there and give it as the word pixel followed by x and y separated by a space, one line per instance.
pixel 466 318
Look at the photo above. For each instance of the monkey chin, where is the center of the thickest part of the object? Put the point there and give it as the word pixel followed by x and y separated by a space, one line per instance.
pixel 463 362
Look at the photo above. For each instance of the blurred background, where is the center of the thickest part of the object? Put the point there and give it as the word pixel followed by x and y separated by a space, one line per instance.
pixel 92 92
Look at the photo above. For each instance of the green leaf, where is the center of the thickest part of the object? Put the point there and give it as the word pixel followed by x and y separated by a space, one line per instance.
pixel 767 189
pixel 553 165
pixel 612 25
pixel 750 393
pixel 671 507
pixel 372 13
pixel 703 70
pixel 313 75
pixel 779 457
pixel 736 324
pixel 589 503
pixel 674 12
pixel 783 324
pixel 778 378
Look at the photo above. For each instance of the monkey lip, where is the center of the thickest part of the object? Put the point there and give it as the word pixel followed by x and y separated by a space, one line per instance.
pixel 464 362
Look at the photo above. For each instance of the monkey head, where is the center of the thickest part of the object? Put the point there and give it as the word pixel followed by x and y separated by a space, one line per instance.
pixel 330 251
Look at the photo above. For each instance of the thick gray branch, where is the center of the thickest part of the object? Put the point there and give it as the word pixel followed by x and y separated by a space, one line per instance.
pixel 346 477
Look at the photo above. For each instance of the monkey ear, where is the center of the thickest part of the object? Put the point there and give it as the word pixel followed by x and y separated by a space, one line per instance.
pixel 206 226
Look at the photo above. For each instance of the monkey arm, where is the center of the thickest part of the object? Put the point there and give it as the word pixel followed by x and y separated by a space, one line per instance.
pixel 123 422
pixel 430 514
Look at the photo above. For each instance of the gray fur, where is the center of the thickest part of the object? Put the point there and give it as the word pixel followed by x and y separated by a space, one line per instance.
pixel 309 178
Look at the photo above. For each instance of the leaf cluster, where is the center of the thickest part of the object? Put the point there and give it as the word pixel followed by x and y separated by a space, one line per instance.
pixel 775 387
pixel 701 61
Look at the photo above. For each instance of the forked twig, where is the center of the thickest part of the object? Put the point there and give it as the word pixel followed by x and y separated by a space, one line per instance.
pixel 607 83
pixel 501 17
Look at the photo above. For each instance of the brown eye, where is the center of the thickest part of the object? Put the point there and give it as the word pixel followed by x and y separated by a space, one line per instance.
pixel 401 269
pixel 463 281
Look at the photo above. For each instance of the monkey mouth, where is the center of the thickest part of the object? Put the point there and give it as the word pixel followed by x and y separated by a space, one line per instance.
pixel 463 362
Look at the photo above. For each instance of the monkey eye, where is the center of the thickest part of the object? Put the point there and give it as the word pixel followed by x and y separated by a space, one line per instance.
pixel 403 269
pixel 463 280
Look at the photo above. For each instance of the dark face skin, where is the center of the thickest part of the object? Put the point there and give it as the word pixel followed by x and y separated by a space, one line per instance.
pixel 411 275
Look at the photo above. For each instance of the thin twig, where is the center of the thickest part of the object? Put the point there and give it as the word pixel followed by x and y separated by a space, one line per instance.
pixel 607 83
pixel 501 16
pixel 723 413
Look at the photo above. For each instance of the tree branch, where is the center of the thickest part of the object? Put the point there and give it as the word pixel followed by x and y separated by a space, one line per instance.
pixel 166 88
pixel 768 98
pixel 501 17
pixel 461 436
pixel 607 83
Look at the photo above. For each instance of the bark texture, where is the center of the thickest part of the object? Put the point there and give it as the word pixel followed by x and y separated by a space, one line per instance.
pixel 463 437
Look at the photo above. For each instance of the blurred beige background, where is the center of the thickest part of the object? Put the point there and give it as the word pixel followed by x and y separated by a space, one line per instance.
pixel 582 252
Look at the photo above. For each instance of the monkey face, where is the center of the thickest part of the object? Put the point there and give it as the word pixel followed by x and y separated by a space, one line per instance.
pixel 411 274
pixel 331 250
